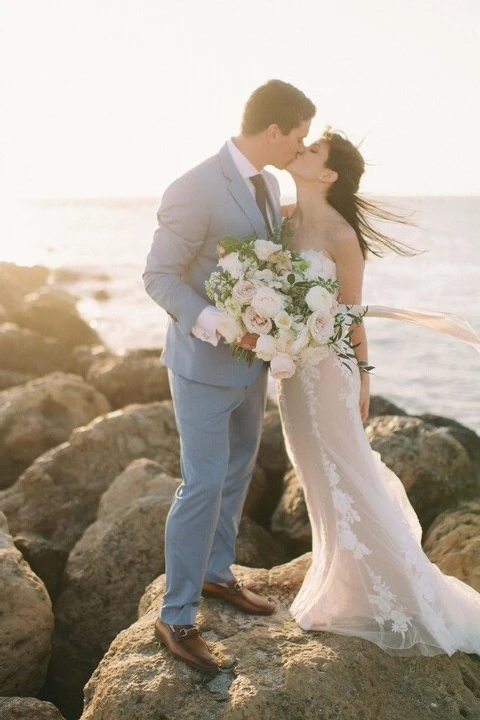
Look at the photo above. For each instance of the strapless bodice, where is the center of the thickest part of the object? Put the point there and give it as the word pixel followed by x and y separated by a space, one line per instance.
pixel 321 264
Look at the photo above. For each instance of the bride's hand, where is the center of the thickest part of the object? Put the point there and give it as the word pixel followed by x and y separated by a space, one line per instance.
pixel 364 395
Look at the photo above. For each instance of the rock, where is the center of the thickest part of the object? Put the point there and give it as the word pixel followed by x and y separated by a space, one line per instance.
pixel 57 496
pixel 272 457
pixel 465 436
pixel 453 543
pixel 52 313
pixel 11 297
pixel 109 568
pixel 256 547
pixel 382 406
pixel 434 468
pixel 24 351
pixel 47 560
pixel 84 356
pixel 69 275
pixel 40 415
pixel 102 295
pixel 283 673
pixel 290 521
pixel 26 622
pixel 26 278
pixel 257 503
pixel 136 377
pixel 9 378
pixel 22 708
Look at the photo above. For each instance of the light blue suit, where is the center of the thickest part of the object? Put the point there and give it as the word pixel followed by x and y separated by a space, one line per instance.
pixel 219 401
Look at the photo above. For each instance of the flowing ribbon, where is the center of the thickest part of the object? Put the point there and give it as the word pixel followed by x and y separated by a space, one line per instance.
pixel 445 323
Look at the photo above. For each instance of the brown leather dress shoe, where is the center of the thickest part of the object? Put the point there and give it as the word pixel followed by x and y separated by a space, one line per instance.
pixel 186 643
pixel 234 593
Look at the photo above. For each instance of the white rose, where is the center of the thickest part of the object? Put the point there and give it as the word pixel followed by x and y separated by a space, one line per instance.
pixel 266 347
pixel 316 264
pixel 267 302
pixel 321 327
pixel 243 291
pixel 318 298
pixel 230 328
pixel 282 366
pixel 255 322
pixel 265 248
pixel 314 354
pixel 263 276
pixel 300 342
pixel 232 264
pixel 283 320
pixel 285 339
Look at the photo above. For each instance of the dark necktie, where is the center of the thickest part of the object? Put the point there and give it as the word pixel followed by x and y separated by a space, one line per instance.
pixel 261 198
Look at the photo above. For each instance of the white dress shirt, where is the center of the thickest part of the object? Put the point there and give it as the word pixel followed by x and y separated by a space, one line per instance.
pixel 205 327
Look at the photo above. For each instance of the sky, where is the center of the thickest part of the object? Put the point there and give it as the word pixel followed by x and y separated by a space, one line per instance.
pixel 116 98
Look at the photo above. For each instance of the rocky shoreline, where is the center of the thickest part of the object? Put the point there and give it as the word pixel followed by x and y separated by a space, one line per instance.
pixel 89 460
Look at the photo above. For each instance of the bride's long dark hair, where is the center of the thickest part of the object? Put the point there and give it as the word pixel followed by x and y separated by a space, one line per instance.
pixel 348 163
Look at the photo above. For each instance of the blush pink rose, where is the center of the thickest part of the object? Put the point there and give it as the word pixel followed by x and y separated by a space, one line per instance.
pixel 256 323
pixel 244 290
pixel 282 366
pixel 321 326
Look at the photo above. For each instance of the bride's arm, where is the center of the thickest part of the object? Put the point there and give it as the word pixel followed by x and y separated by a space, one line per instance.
pixel 350 266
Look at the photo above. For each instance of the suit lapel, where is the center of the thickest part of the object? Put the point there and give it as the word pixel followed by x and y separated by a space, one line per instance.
pixel 239 190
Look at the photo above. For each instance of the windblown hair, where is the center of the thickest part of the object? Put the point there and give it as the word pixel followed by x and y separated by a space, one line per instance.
pixel 348 163
pixel 279 103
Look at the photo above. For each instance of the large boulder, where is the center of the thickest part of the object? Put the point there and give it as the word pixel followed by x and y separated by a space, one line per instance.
pixel 465 436
pixel 83 357
pixel 136 377
pixel 27 352
pixel 40 415
pixel 57 496
pixel 383 406
pixel 11 297
pixel 110 567
pixel 434 467
pixel 453 543
pixel 22 708
pixel 26 622
pixel 52 313
pixel 10 378
pixel 290 521
pixel 272 458
pixel 46 558
pixel 283 673
pixel 26 278
pixel 256 547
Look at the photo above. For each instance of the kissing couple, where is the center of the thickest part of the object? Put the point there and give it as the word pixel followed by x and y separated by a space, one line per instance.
pixel 369 577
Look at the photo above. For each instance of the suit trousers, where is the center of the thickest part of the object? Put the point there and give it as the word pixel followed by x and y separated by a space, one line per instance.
pixel 220 430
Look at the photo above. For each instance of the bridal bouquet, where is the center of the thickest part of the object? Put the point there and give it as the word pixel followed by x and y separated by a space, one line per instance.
pixel 266 289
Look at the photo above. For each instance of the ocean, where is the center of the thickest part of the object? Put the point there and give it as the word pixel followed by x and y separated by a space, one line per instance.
pixel 418 369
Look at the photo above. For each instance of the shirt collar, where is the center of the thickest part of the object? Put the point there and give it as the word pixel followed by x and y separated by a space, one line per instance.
pixel 243 164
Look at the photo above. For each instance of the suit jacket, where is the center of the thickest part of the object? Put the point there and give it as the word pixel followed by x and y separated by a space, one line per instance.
pixel 206 204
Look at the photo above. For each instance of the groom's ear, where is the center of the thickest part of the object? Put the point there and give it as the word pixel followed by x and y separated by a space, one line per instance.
pixel 272 132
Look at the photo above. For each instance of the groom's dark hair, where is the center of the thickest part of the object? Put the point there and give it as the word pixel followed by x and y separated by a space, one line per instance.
pixel 278 103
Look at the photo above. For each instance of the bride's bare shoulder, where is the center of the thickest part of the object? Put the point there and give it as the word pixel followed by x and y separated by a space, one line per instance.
pixel 342 234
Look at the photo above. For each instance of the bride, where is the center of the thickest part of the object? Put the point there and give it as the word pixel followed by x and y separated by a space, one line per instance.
pixel 369 576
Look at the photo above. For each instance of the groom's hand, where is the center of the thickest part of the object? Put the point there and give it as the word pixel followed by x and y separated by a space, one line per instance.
pixel 248 341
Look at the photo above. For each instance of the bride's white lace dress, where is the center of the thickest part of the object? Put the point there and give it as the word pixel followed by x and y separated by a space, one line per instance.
pixel 369 576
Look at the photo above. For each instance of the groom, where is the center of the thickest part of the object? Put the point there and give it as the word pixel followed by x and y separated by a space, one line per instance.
pixel 219 401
